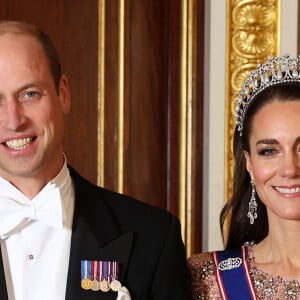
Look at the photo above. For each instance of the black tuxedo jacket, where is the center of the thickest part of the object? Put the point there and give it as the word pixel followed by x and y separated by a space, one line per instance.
pixel 145 240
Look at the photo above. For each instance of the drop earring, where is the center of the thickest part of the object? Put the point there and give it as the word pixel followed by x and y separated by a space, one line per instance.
pixel 252 210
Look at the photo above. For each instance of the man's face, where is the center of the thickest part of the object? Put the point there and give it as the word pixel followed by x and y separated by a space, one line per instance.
pixel 31 112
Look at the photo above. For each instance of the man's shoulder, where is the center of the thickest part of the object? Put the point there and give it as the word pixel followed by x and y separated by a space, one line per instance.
pixel 115 199
pixel 135 213
pixel 122 206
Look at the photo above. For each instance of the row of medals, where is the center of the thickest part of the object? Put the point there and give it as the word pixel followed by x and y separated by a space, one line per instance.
pixel 103 285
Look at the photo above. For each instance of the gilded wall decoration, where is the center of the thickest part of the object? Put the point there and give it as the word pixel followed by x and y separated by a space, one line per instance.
pixel 252 36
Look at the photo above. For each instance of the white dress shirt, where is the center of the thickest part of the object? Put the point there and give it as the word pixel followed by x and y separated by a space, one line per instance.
pixel 36 257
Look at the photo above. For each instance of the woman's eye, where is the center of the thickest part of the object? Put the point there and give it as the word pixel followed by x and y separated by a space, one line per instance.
pixel 267 152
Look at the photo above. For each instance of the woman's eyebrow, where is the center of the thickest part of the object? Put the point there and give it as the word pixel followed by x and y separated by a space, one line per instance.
pixel 269 141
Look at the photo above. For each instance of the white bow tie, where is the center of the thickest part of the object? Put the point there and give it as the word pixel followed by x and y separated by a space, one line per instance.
pixel 45 207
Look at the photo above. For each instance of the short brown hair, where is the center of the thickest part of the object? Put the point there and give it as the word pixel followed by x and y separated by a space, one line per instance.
pixel 50 51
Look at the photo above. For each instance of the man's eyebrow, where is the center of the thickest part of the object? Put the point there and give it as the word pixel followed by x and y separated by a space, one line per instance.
pixel 21 88
pixel 27 85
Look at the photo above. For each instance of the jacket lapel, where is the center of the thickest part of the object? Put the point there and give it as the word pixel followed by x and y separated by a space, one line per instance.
pixel 3 290
pixel 95 236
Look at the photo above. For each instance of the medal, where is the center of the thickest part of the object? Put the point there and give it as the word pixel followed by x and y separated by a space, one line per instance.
pixel 104 286
pixel 95 284
pixel 86 283
pixel 115 284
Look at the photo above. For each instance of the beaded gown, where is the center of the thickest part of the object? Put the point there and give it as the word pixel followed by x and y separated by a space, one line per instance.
pixel 266 287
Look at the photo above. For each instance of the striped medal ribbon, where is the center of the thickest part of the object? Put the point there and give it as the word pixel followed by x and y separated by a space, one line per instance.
pixel 100 275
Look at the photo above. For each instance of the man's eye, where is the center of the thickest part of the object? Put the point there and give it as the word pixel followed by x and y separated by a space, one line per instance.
pixel 30 94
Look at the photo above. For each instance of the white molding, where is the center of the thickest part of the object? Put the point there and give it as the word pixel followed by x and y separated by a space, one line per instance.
pixel 214 112
pixel 288 27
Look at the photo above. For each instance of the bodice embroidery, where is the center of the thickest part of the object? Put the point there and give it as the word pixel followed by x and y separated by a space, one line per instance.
pixel 267 287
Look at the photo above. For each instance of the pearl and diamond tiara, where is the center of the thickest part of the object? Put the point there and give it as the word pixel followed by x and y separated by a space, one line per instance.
pixel 275 71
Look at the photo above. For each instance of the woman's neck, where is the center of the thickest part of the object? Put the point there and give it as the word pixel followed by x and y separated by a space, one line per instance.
pixel 278 254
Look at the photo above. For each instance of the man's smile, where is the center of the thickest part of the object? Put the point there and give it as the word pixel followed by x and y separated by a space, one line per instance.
pixel 18 144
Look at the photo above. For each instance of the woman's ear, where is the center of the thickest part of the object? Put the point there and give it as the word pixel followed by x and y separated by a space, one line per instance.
pixel 248 163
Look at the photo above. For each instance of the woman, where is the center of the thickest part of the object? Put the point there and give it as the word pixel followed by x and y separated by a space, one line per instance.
pixel 262 256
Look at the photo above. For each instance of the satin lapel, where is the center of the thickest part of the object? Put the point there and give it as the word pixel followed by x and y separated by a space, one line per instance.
pixel 95 236
pixel 3 289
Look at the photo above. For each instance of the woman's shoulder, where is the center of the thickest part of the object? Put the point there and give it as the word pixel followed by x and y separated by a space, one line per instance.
pixel 204 284
pixel 201 266
pixel 197 260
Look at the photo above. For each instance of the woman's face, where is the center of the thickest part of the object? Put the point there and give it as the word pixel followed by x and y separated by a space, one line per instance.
pixel 274 159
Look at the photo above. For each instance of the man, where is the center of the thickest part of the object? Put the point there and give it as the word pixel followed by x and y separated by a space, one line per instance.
pixel 61 236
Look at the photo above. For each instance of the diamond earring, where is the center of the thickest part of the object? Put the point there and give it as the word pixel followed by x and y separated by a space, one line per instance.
pixel 252 211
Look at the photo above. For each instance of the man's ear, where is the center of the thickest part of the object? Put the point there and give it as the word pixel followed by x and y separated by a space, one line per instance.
pixel 64 95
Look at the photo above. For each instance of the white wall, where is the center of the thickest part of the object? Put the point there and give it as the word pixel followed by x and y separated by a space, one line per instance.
pixel 214 112
pixel 214 107
pixel 288 28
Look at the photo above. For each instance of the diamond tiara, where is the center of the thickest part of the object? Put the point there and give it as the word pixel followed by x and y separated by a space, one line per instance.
pixel 275 71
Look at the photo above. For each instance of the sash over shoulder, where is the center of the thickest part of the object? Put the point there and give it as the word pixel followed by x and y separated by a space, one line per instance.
pixel 232 274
